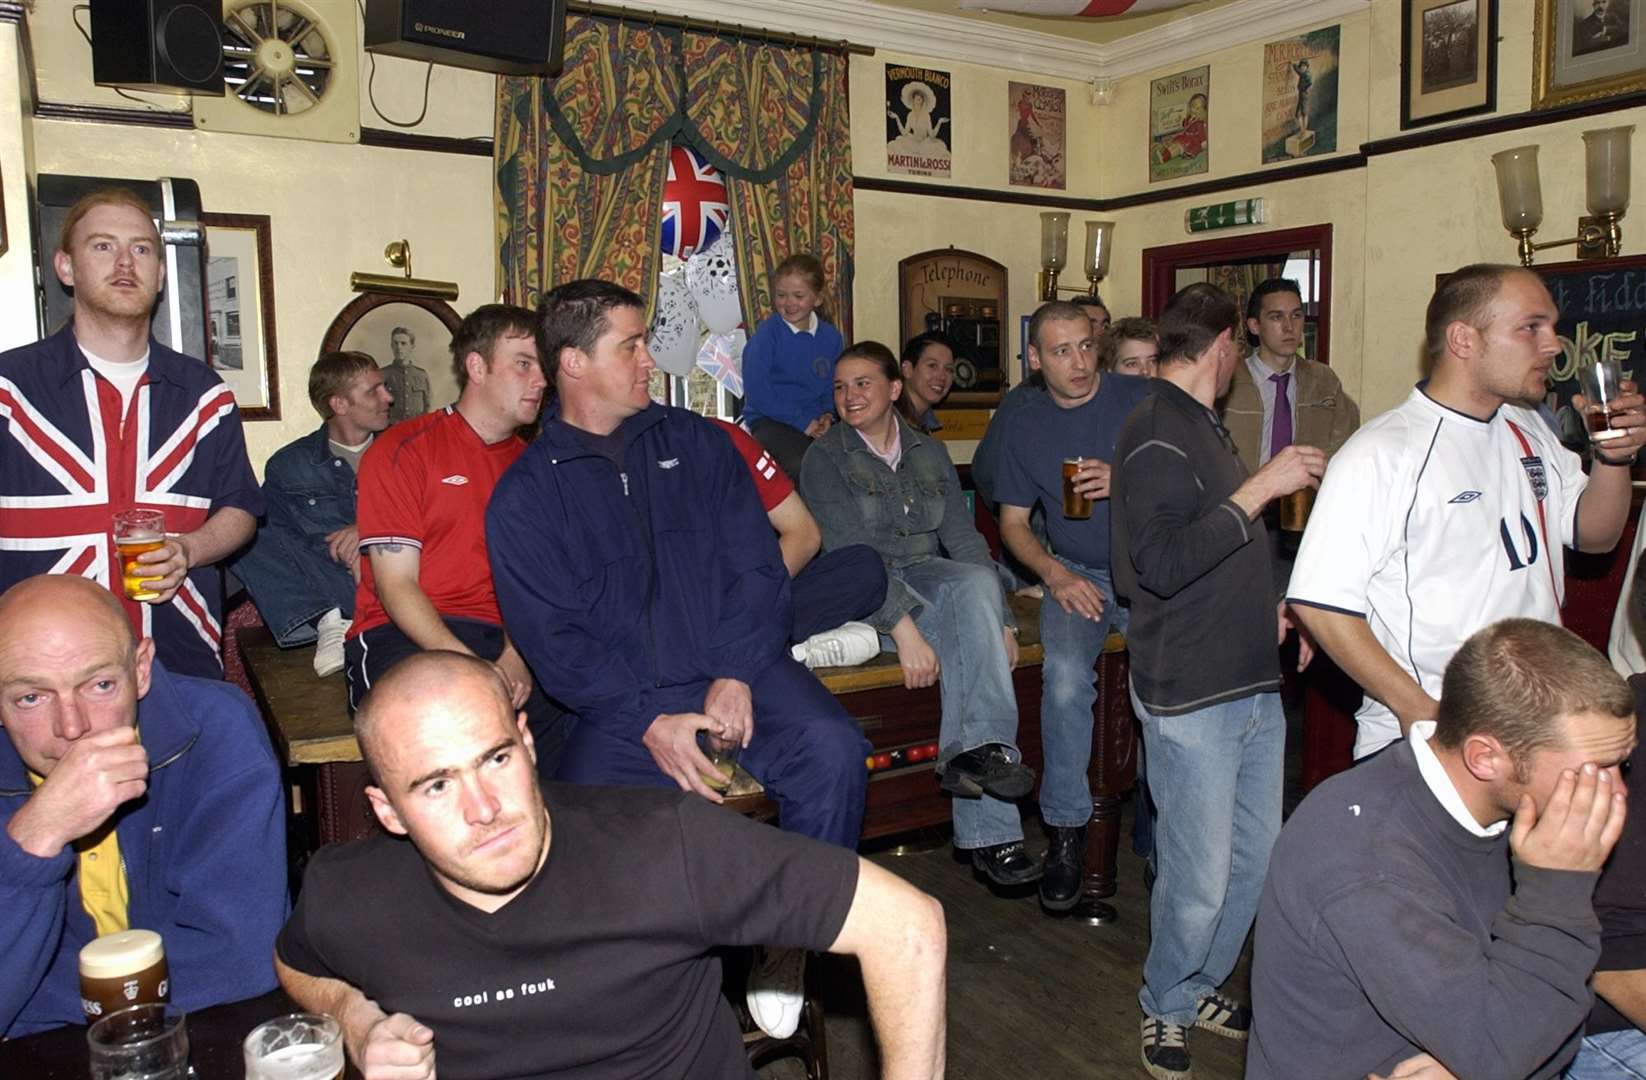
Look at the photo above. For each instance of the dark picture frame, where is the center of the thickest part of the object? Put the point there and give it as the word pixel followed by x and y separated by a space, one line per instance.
pixel 1448 60
pixel 239 308
pixel 366 324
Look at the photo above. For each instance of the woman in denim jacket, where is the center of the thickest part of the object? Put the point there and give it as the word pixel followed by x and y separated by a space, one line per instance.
pixel 875 480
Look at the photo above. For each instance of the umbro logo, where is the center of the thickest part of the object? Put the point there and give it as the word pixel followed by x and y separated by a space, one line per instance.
pixel 669 464
pixel 1464 497
pixel 455 480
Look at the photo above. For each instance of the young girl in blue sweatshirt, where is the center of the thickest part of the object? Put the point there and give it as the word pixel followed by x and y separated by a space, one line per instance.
pixel 788 366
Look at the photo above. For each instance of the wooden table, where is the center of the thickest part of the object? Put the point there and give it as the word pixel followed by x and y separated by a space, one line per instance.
pixel 309 723
pixel 215 1037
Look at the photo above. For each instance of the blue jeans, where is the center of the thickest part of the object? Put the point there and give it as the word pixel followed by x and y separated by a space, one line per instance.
pixel 806 751
pixel 1068 691
pixel 962 615
pixel 1215 776
pixel 1611 1055
pixel 293 582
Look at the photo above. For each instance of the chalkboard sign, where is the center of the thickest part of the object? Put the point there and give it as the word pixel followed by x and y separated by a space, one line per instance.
pixel 1602 305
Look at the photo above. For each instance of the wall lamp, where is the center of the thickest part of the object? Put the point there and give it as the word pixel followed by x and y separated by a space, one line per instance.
pixel 1520 195
pixel 1054 253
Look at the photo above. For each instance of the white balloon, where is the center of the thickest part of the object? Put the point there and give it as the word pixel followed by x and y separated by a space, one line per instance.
pixel 711 275
pixel 674 332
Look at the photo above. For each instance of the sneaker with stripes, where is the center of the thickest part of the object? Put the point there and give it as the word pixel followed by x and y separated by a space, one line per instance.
pixel 1222 1014
pixel 1166 1049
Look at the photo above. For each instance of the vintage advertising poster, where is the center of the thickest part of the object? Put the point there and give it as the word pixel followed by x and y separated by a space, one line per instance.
pixel 1300 95
pixel 919 128
pixel 1035 118
pixel 1179 107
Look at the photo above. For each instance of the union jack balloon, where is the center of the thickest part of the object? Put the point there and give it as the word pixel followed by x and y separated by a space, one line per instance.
pixel 1090 9
pixel 695 209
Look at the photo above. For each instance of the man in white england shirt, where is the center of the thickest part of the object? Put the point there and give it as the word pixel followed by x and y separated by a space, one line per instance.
pixel 1451 511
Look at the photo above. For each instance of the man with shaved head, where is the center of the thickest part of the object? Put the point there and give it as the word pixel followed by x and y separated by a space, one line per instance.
pixel 130 798
pixel 569 931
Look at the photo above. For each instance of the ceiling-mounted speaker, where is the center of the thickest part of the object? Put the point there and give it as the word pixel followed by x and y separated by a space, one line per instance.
pixel 506 37
pixel 169 46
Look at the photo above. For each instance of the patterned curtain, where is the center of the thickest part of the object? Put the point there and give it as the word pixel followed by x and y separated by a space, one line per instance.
pixel 1239 279
pixel 776 121
pixel 581 161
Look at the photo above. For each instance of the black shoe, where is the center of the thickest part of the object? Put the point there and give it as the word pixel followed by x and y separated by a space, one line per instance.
pixel 1224 1015
pixel 988 769
pixel 1006 864
pixel 1166 1049
pixel 1065 867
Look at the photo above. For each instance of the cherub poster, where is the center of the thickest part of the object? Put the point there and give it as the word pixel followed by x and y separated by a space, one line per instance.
pixel 1179 112
pixel 1300 95
pixel 919 128
pixel 1035 119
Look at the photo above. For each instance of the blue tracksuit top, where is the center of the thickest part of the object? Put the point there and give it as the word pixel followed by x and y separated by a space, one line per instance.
pixel 789 375
pixel 615 582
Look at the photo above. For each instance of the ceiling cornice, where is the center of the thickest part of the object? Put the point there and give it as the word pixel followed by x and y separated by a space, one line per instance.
pixel 978 41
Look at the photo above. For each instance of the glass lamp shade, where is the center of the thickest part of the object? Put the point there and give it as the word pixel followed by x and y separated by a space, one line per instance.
pixel 1054 239
pixel 1099 238
pixel 1519 192
pixel 1607 154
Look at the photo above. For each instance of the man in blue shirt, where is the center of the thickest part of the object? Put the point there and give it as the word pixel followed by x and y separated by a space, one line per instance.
pixel 1077 418
pixel 304 566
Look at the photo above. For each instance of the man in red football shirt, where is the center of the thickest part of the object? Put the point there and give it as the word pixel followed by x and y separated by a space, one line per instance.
pixel 423 489
pixel 833 592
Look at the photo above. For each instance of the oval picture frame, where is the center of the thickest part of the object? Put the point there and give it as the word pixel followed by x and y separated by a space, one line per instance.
pixel 369 322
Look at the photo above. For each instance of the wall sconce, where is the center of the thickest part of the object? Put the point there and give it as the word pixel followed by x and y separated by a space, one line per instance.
pixel 1606 169
pixel 1054 253
pixel 398 255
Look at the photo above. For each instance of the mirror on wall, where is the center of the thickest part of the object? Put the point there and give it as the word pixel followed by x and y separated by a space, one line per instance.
pixel 1237 264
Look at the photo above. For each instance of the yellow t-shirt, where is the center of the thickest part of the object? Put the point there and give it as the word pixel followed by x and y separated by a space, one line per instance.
pixel 103 890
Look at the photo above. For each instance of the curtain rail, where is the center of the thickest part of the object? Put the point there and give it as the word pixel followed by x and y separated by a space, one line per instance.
pixel 748 33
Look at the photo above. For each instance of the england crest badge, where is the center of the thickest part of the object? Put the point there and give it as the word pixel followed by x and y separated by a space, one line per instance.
pixel 1534 472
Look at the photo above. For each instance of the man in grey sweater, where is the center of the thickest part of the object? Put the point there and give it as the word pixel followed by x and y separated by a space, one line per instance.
pixel 1405 915
pixel 1189 551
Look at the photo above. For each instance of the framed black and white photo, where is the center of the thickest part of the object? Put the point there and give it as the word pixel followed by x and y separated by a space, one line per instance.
pixel 240 311
pixel 1448 60
pixel 410 337
pixel 1585 50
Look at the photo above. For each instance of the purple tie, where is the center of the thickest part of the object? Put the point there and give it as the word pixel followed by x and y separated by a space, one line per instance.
pixel 1280 436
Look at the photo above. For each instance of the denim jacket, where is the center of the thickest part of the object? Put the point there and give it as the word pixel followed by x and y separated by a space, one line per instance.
pixel 310 494
pixel 914 514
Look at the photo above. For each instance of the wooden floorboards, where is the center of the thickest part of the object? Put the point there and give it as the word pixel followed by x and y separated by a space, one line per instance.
pixel 1030 996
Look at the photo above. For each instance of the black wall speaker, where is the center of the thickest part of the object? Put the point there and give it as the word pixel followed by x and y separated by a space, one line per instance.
pixel 163 45
pixel 508 37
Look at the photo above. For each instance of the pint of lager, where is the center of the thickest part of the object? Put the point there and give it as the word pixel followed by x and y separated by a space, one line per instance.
pixel 1076 506
pixel 137 531
pixel 1294 509
pixel 123 969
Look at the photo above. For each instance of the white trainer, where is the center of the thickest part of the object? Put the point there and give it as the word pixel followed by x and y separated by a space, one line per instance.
pixel 328 647
pixel 847 645
pixel 777 990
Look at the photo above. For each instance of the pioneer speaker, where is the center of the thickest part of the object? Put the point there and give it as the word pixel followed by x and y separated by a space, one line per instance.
pixel 168 46
pixel 508 37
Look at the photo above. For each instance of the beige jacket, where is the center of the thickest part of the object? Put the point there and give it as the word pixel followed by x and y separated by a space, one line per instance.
pixel 1326 415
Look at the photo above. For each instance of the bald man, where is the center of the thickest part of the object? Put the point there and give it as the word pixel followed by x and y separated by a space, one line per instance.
pixel 569 931
pixel 130 798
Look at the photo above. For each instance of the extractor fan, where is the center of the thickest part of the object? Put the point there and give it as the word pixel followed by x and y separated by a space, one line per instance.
pixel 290 68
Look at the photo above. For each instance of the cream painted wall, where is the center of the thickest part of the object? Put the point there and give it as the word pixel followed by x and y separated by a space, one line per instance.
pixel 891 226
pixel 332 206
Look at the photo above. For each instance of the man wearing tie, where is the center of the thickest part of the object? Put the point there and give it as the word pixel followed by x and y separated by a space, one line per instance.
pixel 1277 398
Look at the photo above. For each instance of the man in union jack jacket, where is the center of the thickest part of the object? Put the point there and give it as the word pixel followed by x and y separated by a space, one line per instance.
pixel 100 418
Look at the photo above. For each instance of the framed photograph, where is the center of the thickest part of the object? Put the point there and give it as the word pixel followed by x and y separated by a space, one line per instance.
pixel 410 338
pixel 1448 60
pixel 240 311
pixel 1585 50
pixel 1179 119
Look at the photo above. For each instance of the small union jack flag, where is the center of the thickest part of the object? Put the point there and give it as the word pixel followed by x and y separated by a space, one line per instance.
pixel 695 209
